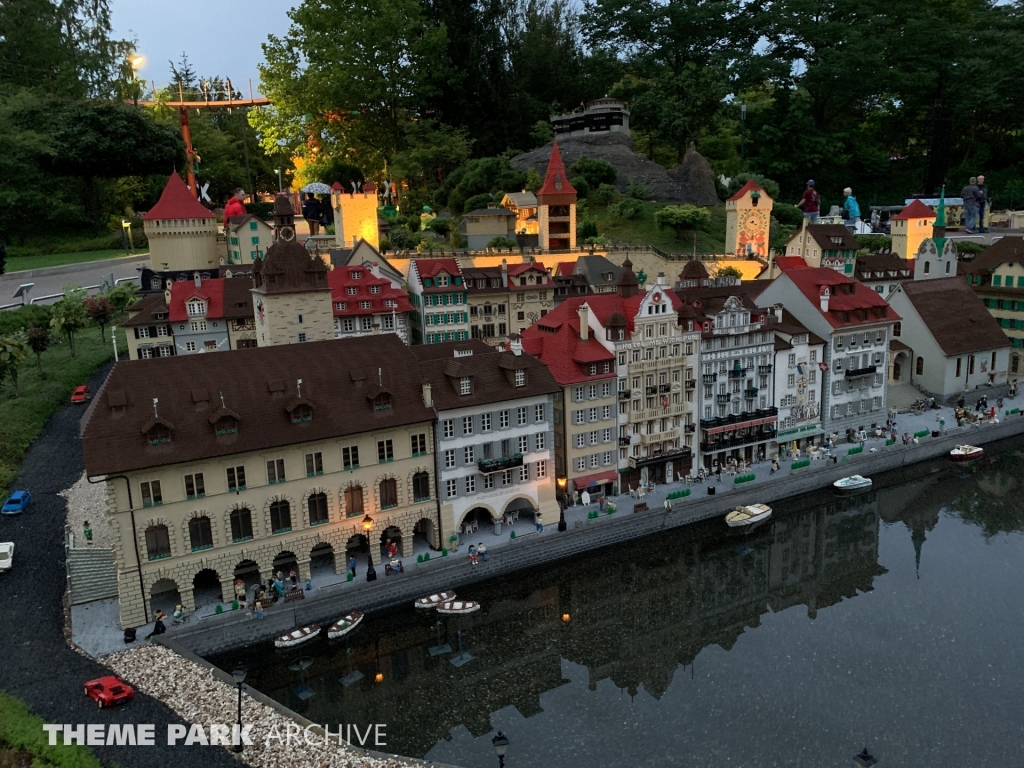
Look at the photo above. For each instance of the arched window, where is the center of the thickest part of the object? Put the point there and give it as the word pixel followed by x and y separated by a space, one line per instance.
pixel 200 533
pixel 280 516
pixel 354 501
pixel 241 524
pixel 388 494
pixel 317 504
pixel 158 542
pixel 919 367
pixel 421 486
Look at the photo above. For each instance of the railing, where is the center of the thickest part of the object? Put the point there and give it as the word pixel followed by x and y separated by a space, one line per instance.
pixel 664 388
pixel 764 370
pixel 750 392
pixel 691 383
pixel 651 390
pixel 623 442
pixel 709 378
pixel 624 394
pixel 737 373
pixel 723 399
pixel 738 418
pixel 737 441
pixel 690 428
pixel 855 372
pixel 487 466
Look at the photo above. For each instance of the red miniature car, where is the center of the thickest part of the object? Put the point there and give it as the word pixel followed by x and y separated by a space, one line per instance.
pixel 81 394
pixel 109 691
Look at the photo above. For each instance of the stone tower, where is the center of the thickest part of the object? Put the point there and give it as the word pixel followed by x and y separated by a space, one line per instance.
pixel 556 207
pixel 291 297
pixel 182 233
pixel 748 221
pixel 627 285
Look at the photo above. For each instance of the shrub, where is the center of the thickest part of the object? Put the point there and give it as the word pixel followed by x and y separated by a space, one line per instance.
pixel 682 218
pixel 594 170
pixel 627 208
pixel 587 229
pixel 787 214
pixel 968 248
pixel 605 194
pixel 639 191
pixel 502 242
pixel 581 185
pixel 874 243
pixel 477 201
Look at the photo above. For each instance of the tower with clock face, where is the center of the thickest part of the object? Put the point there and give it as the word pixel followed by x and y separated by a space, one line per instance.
pixel 748 216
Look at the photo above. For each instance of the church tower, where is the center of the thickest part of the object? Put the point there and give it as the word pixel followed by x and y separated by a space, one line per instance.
pixel 556 207
pixel 291 297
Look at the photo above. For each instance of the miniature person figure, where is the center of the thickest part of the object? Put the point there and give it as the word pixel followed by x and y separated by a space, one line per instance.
pixel 600 504
pixel 259 609
pixel 294 577
pixel 352 565
pixel 311 213
pixel 309 583
pixel 235 206
pixel 472 555
pixel 87 532
pixel 179 613
pixel 371 574
pixel 575 498
pixel 158 626
pixel 481 551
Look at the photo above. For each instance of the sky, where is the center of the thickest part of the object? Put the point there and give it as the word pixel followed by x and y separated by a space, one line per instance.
pixel 221 37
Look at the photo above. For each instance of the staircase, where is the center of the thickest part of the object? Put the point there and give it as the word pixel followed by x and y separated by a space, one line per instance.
pixel 91 574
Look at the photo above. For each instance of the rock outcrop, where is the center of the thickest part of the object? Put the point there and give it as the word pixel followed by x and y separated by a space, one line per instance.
pixel 690 183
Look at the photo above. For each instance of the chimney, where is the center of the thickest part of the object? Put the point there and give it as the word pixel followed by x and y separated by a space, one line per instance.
pixel 584 313
pixel 516 346
pixel 427 399
pixel 824 296
pixel 778 312
pixel 504 273
pixel 661 278
pixel 198 279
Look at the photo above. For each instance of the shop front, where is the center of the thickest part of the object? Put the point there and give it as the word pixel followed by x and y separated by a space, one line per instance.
pixel 597 485
pixel 738 438
pixel 799 438
pixel 661 467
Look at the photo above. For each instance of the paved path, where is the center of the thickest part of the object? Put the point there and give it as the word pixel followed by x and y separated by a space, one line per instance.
pixel 53 280
pixel 38 666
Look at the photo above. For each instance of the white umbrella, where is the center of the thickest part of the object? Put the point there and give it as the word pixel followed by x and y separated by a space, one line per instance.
pixel 317 188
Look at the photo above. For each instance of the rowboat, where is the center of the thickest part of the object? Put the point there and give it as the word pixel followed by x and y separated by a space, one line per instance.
pixel 297 636
pixel 458 607
pixel 852 484
pixel 432 601
pixel 748 515
pixel 344 625
pixel 966 453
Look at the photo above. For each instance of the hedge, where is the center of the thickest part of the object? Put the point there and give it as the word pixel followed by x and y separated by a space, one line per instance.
pixel 922 433
pixel 800 464
pixel 858 449
pixel 744 478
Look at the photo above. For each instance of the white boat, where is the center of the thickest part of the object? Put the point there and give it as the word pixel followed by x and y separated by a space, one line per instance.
pixel 852 484
pixel 748 515
pixel 6 555
pixel 966 453
pixel 458 607
pixel 344 625
pixel 297 636
pixel 432 601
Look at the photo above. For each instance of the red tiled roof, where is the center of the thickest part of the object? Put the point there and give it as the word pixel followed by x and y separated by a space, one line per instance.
pixel 786 263
pixel 430 267
pixel 176 202
pixel 340 279
pixel 565 268
pixel 561 349
pixel 750 186
pixel 916 210
pixel 516 270
pixel 211 291
pixel 556 182
pixel 848 297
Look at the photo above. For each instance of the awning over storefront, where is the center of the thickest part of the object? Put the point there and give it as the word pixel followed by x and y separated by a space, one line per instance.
pixel 588 481
pixel 800 433
pixel 742 425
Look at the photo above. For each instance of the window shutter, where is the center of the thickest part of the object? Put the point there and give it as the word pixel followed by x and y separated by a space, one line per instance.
pixel 152 331
pixel 136 333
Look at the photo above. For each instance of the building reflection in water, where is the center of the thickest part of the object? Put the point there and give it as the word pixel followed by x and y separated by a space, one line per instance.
pixel 638 613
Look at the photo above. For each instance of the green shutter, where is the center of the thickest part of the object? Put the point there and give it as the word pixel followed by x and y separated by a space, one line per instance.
pixel 253 226
pixel 997 280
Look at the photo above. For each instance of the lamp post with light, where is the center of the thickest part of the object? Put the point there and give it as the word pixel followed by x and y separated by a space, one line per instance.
pixel 500 744
pixel 239 676
pixel 371 574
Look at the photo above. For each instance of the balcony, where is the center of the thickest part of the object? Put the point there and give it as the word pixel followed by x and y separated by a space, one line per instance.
pixel 737 373
pixel 624 394
pixel 664 389
pixel 689 428
pixel 623 442
pixel 723 399
pixel 659 437
pixel 764 370
pixel 750 393
pixel 657 456
pixel 852 373
pixel 739 418
pixel 709 378
pixel 738 441
pixel 651 390
pixel 487 466
pixel 691 383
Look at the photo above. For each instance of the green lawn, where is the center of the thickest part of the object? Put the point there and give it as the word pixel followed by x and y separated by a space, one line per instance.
pixel 24 742
pixel 22 417
pixel 19 263
pixel 643 231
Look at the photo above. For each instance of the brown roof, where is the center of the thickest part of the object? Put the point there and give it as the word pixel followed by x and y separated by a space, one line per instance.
pixel 868 264
pixel 1004 249
pixel 954 316
pixel 824 234
pixel 256 384
pixel 492 373
pixel 149 305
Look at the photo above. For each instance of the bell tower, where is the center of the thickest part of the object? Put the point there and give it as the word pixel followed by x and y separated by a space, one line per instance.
pixel 556 207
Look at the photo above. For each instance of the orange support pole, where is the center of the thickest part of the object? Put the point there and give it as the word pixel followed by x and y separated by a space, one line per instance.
pixel 190 153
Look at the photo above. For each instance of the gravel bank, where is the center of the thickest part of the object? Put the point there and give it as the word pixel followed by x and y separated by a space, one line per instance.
pixel 88 501
pixel 195 694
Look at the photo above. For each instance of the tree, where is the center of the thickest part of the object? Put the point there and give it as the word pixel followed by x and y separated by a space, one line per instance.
pixel 502 242
pixel 534 180
pixel 38 339
pixel 595 170
pixel 13 352
pixel 768 185
pixel 69 315
pixel 729 271
pixel 122 296
pixel 100 310
pixel 682 218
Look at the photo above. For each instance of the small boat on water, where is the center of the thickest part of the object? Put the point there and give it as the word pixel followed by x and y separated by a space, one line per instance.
pixel 432 601
pixel 852 484
pixel 748 515
pixel 458 607
pixel 297 636
pixel 966 453
pixel 344 625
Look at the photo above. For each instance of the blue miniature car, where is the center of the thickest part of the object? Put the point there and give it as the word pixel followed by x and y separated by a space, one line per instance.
pixel 16 503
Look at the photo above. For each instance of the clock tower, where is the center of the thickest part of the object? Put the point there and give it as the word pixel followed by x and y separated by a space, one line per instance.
pixel 748 217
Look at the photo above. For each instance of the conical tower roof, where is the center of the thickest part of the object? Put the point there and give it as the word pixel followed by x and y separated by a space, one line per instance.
pixel 176 202
pixel 556 189
pixel 627 284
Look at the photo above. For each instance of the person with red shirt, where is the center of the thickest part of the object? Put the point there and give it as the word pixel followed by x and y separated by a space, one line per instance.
pixel 235 206
pixel 809 203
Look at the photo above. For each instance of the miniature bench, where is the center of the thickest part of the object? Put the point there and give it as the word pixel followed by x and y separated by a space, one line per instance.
pixel 642 507
pixel 294 594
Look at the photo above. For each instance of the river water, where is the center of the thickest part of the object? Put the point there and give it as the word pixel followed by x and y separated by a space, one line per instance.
pixel 892 620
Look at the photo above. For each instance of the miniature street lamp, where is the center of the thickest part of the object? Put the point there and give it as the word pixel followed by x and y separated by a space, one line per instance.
pixel 500 744
pixel 864 759
pixel 367 523
pixel 239 676
pixel 566 618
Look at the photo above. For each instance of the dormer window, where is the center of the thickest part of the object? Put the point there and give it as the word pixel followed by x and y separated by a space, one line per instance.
pixel 158 433
pixel 465 385
pixel 352 290
pixel 226 425
pixel 520 377
pixel 357 274
pixel 382 402
pixel 374 289
pixel 301 413
pixel 196 308
pixel 442 281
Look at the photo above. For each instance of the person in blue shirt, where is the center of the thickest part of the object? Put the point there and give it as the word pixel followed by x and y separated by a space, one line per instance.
pixel 851 209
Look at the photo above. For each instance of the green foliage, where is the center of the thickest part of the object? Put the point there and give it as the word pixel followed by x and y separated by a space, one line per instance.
pixel 21 731
pixel 627 208
pixel 502 242
pixel 968 248
pixel 788 215
pixel 476 202
pixel 14 350
pixel 729 271
pixel 683 218
pixel 587 228
pixel 594 170
pixel 69 315
pixel 605 194
pixel 874 243
pixel 23 318
pixel 581 185
pixel 769 186
pixel 492 176
pixel 639 191
pixel 597 240
pixel 122 296
pixel 442 226
pixel 534 181
pixel 541 133
pixel 39 340
pixel 99 310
